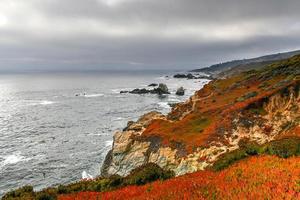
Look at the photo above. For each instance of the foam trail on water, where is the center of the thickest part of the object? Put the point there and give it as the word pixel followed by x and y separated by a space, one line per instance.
pixel 46 102
pixel 93 95
pixel 164 105
pixel 13 159
pixel 108 143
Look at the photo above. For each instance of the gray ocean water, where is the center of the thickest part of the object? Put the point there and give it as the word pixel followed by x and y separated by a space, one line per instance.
pixel 49 136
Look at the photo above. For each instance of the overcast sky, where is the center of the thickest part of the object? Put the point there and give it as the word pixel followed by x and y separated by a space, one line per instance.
pixel 138 34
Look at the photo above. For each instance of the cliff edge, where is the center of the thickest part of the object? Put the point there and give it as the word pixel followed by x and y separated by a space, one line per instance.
pixel 258 106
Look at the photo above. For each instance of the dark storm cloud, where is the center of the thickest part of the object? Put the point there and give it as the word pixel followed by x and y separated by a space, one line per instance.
pixel 98 34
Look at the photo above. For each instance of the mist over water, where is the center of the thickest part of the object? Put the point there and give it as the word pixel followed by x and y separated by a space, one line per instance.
pixel 50 136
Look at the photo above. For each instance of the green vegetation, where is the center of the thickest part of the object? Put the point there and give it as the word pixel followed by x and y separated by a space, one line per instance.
pixel 200 124
pixel 283 148
pixel 247 96
pixel 140 176
pixel 146 174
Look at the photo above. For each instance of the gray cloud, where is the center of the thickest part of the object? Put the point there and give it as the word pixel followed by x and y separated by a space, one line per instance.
pixel 179 34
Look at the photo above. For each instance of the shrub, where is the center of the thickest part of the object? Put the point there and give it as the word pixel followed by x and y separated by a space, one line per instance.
pixel 22 192
pixel 229 158
pixel 284 148
pixel 62 189
pixel 247 96
pixel 147 173
pixel 45 196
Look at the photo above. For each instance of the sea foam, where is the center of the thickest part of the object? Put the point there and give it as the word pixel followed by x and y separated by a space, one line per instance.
pixel 93 95
pixel 85 175
pixel 12 159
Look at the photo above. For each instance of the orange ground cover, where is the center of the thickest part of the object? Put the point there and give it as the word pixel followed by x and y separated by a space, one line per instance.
pixel 215 108
pixel 262 177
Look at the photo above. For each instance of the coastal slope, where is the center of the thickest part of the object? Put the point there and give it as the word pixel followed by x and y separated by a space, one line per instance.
pixel 262 177
pixel 235 66
pixel 255 106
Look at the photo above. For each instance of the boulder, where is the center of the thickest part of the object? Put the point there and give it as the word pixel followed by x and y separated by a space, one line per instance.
pixel 140 91
pixel 180 91
pixel 162 89
pixel 191 76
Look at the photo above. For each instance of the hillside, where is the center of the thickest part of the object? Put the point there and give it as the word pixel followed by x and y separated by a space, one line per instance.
pixel 257 105
pixel 263 177
pixel 229 68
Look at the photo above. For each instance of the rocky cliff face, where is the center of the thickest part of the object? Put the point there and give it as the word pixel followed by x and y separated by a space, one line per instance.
pixel 213 122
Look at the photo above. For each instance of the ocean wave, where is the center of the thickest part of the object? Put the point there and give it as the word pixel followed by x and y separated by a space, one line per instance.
pixel 117 91
pixel 108 143
pixel 13 159
pixel 164 105
pixel 174 99
pixel 85 175
pixel 118 119
pixel 38 102
pixel 93 95
pixel 46 102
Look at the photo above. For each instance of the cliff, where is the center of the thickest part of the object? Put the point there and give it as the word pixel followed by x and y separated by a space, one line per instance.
pixel 255 106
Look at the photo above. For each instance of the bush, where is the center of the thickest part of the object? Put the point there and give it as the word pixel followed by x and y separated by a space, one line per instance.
pixel 229 158
pixel 147 173
pixel 284 148
pixel 62 189
pixel 22 193
pixel 45 196
pixel 247 96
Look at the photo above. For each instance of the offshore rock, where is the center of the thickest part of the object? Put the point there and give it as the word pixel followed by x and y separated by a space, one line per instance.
pixel 180 91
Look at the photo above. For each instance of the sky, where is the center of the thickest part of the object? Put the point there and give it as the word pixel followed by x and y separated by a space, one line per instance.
pixel 142 34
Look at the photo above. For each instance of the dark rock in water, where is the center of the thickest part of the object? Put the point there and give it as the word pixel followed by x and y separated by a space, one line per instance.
pixel 161 89
pixel 180 91
pixel 172 105
pixel 188 76
pixel 153 85
pixel 140 91
pixel 179 76
pixel 123 92
pixel 191 76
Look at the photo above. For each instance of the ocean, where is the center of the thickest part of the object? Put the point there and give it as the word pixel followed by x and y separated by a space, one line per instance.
pixel 57 127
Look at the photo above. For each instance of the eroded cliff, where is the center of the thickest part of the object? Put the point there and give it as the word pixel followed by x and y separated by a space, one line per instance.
pixel 258 105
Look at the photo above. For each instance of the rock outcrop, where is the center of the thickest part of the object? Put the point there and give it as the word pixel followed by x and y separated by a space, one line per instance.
pixel 160 90
pixel 180 91
pixel 192 76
